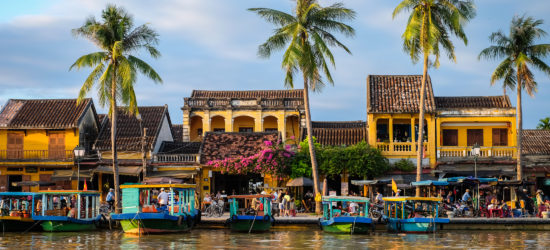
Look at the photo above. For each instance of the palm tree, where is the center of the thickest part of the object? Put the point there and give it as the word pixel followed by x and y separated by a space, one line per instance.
pixel 114 67
pixel 519 53
pixel 306 34
pixel 429 29
pixel 544 124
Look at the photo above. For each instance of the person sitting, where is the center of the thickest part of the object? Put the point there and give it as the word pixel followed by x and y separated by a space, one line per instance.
pixel 378 198
pixel 353 207
pixel 63 203
pixel 38 206
pixel 163 199
pixel 72 212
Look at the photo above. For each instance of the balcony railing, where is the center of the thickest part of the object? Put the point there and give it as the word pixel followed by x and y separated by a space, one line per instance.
pixel 235 103
pixel 41 155
pixel 399 148
pixel 485 152
pixel 177 158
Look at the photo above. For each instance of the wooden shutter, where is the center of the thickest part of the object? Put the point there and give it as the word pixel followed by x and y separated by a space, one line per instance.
pixel 15 145
pixel 450 137
pixel 500 137
pixel 26 188
pixel 475 136
pixel 56 146
pixel 45 178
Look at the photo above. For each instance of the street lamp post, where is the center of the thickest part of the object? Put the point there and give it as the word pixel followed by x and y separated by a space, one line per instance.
pixel 476 151
pixel 78 154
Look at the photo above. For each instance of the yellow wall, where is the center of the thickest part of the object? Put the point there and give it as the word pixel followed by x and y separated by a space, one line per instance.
pixel 218 122
pixel 292 129
pixel 196 124
pixel 372 119
pixel 37 139
pixel 487 129
pixel 232 121
pixel 243 122
pixel 270 122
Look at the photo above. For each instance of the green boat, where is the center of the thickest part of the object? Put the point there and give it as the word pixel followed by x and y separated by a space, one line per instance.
pixel 139 214
pixel 16 209
pixel 250 219
pixel 352 220
pixel 68 210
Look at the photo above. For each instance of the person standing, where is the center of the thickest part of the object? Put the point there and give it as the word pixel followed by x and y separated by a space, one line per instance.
pixel 540 202
pixel 163 199
pixel 110 198
pixel 466 196
pixel 378 198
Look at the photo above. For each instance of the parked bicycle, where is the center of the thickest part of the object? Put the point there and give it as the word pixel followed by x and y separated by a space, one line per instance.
pixel 215 209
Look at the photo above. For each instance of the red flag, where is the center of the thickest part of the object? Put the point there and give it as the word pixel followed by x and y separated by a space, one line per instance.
pixel 85 186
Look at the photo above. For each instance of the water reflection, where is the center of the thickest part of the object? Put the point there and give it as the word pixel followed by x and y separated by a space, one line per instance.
pixel 302 238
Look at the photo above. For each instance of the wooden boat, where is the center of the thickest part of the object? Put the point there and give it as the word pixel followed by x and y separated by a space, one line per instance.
pixel 412 214
pixel 139 214
pixel 247 218
pixel 338 221
pixel 16 212
pixel 56 214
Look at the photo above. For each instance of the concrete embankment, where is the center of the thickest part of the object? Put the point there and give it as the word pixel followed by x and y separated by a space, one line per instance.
pixel 454 224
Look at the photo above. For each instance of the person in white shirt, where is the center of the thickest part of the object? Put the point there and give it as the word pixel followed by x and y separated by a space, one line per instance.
pixel 163 198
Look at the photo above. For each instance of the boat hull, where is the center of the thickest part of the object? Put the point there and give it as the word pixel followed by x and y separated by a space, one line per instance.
pixel 139 223
pixel 347 225
pixel 249 224
pixel 67 226
pixel 414 225
pixel 18 224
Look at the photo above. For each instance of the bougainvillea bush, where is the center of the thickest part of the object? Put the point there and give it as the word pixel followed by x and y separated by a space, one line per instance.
pixel 272 159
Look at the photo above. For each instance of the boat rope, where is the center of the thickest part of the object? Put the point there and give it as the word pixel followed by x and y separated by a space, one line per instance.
pixel 251 225
pixel 31 227
pixel 353 227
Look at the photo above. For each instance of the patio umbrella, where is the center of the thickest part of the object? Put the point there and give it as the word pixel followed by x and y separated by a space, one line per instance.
pixel 300 182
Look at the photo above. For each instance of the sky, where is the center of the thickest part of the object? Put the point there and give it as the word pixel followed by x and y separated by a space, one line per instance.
pixel 212 45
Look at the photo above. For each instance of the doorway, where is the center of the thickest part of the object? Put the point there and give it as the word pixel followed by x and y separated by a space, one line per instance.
pixel 13 179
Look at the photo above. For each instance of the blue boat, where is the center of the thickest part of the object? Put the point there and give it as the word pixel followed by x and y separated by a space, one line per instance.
pixel 16 209
pixel 247 218
pixel 68 210
pixel 412 214
pixel 337 221
pixel 139 214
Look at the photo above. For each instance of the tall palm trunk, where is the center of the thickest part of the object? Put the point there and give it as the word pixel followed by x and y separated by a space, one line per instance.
pixel 519 127
pixel 311 146
pixel 420 138
pixel 113 141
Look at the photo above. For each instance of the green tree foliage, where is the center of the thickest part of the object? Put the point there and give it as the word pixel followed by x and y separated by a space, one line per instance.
pixel 544 123
pixel 360 160
pixel 404 165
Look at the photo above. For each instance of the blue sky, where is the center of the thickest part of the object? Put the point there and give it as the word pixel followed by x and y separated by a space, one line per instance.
pixel 212 44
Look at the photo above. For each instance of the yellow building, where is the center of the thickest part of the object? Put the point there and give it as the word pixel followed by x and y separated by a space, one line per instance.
pixel 243 111
pixel 245 118
pixel 453 125
pixel 37 139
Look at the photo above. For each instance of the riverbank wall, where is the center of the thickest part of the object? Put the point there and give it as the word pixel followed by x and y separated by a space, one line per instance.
pixel 454 223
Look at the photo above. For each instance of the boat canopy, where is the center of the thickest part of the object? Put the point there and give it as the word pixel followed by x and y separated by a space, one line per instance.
pixel 249 196
pixel 463 179
pixel 138 185
pixel 18 194
pixel 345 198
pixel 407 198
pixel 430 183
pixel 80 192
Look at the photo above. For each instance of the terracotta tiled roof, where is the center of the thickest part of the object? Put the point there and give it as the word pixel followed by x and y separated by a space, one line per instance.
pixel 129 131
pixel 218 146
pixel 43 113
pixel 100 117
pixel 397 94
pixel 338 133
pixel 180 147
pixel 177 132
pixel 457 102
pixel 535 142
pixel 248 94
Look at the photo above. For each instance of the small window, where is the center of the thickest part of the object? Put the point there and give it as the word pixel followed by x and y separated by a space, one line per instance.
pixel 271 130
pixel 475 136
pixel 450 137
pixel 219 130
pixel 500 137
pixel 246 129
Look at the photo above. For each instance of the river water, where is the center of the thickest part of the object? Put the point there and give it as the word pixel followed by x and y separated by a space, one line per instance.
pixel 278 238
